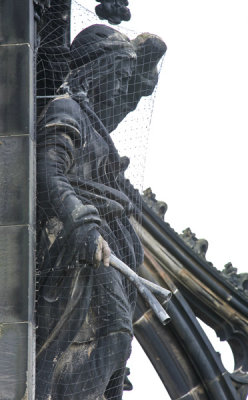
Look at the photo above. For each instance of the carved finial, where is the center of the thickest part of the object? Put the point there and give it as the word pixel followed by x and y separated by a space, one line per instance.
pixel 114 11
pixel 239 281
pixel 159 207
pixel 229 270
pixel 199 246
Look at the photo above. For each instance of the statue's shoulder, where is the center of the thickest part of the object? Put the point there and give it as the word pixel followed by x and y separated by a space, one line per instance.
pixel 63 107
pixel 63 111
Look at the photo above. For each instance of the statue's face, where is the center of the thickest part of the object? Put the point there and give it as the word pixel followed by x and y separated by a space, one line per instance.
pixel 110 87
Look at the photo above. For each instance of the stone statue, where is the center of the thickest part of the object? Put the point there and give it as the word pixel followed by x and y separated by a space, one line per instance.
pixel 84 306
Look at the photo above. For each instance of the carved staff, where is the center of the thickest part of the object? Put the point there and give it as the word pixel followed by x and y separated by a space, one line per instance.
pixel 145 288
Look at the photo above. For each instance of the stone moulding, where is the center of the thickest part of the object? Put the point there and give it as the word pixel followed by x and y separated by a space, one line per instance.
pixel 199 291
pixel 181 353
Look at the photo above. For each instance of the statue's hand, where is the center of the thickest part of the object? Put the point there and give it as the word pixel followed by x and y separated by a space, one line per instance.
pixel 80 241
pixel 102 253
pixel 92 247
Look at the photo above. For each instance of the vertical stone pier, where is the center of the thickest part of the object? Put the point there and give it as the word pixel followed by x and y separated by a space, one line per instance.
pixel 17 200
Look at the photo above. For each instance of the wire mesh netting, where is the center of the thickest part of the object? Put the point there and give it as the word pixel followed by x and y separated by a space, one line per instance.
pixel 84 308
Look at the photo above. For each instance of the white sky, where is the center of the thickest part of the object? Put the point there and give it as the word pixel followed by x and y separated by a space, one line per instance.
pixel 197 155
pixel 199 129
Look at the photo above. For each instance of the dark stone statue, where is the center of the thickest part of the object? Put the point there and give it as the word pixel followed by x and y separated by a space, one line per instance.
pixel 84 306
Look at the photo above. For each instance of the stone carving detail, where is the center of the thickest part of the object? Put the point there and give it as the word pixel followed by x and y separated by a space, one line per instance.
pixel 239 281
pixel 199 246
pixel 114 11
pixel 159 207
pixel 39 8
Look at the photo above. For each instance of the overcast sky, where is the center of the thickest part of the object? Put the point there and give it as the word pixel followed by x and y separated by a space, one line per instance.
pixel 198 138
pixel 200 125
pixel 197 154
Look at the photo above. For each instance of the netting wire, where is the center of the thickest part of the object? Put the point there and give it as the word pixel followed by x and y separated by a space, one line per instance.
pixel 84 313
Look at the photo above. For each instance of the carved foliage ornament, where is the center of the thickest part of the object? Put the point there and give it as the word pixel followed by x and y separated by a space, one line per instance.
pixel 158 207
pixel 199 246
pixel 114 11
pixel 239 281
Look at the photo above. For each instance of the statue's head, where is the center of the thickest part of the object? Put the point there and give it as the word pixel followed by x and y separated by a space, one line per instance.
pixel 149 50
pixel 102 61
pixel 113 72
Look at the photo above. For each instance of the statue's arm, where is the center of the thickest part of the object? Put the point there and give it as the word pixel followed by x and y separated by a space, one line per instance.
pixel 56 196
pixel 54 159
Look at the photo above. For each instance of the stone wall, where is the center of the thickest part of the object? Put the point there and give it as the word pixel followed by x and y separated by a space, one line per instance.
pixel 17 199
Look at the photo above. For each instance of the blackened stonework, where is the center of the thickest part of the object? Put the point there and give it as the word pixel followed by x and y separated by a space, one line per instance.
pixel 239 281
pixel 16 87
pixel 14 361
pixel 115 11
pixel 17 200
pixel 13 274
pixel 40 7
pixel 13 22
pixel 14 151
pixel 159 207
pixel 199 246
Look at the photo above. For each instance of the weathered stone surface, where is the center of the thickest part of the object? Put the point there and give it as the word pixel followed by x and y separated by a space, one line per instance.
pixel 239 281
pixel 211 299
pixel 14 180
pixel 17 177
pixel 18 30
pixel 199 246
pixel 15 87
pixel 159 207
pixel 14 275
pixel 13 356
